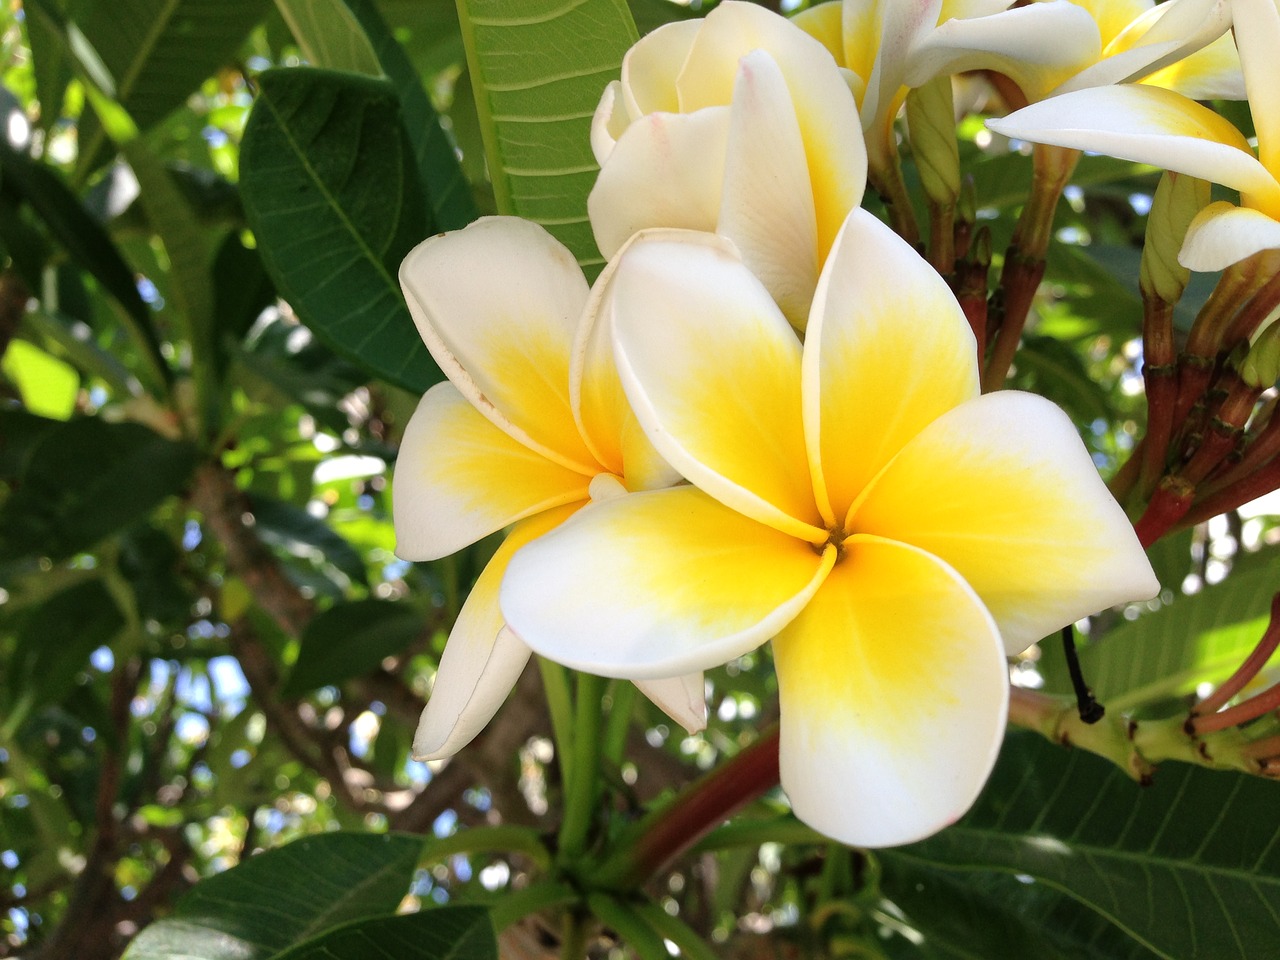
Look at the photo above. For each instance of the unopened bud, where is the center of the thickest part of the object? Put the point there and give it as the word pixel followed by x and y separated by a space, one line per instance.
pixel 1261 366
pixel 931 126
pixel 967 205
pixel 981 252
pixel 1178 198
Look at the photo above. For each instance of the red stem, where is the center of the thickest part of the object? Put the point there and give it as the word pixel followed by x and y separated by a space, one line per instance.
pixel 1168 505
pixel 1247 670
pixel 671 830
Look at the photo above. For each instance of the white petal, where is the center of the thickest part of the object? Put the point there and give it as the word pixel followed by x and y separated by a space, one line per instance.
pixel 712 370
pixel 1148 125
pixel 1223 234
pixel 496 304
pixel 1257 33
pixel 666 170
pixel 1036 45
pixel 650 68
pixel 901 26
pixel 824 105
pixel 473 681
pixel 768 208
pixel 459 478
pixel 683 699
pixel 888 351
pixel 1002 489
pixel 600 405
pixel 657 584
pixel 482 659
pixel 1159 37
pixel 893 690
pixel 608 122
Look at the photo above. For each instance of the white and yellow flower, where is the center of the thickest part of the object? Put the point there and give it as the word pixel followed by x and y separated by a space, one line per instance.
pixel 856 500
pixel 1152 125
pixel 742 124
pixel 530 426
pixel 888 47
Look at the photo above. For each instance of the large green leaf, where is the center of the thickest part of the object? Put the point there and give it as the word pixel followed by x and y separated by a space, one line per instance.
pixel 999 917
pixel 190 274
pixel 350 639
pixel 1167 653
pixel 86 479
pixel 539 68
pixel 329 35
pixel 83 237
pixel 332 193
pixel 447 189
pixel 1189 867
pixel 158 51
pixel 54 643
pixel 283 897
pixel 446 933
pixel 301 535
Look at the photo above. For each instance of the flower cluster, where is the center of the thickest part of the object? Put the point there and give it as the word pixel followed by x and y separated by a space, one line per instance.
pixel 764 421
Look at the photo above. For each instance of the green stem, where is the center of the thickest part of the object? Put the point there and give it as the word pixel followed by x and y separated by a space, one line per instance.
pixel 500 839
pixel 1025 260
pixel 885 175
pixel 672 829
pixel 752 833
pixel 555 685
pixel 692 946
pixel 623 693
pixel 626 921
pixel 519 904
pixel 581 775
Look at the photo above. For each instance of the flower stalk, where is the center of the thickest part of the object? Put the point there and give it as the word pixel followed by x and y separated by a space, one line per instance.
pixel 1024 262
pixel 1245 673
pixel 670 830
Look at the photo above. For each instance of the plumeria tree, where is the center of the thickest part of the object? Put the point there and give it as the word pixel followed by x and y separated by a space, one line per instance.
pixel 608 479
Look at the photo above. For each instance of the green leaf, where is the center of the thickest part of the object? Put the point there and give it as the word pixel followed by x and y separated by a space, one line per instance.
pixel 539 68
pixel 86 479
pixel 329 35
pixel 447 189
pixel 54 643
pixel 282 897
pixel 190 253
pixel 349 640
pixel 991 916
pixel 48 386
pixel 51 66
pixel 55 328
pixel 299 534
pixel 1189 867
pixel 157 52
pixel 445 933
pixel 1171 559
pixel 332 194
pixel 1167 653
pixel 1003 180
pixel 20 434
pixel 68 222
pixel 1053 369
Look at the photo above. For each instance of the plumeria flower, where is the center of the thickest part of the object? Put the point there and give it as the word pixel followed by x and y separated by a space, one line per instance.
pixel 742 124
pixel 1180 45
pixel 855 499
pixel 1147 124
pixel 508 440
pixel 890 46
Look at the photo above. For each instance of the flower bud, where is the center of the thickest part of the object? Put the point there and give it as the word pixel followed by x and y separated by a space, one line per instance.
pixel 1261 366
pixel 1177 200
pixel 931 125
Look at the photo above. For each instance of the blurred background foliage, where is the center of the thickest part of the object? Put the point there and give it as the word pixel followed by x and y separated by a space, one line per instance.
pixel 209 647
